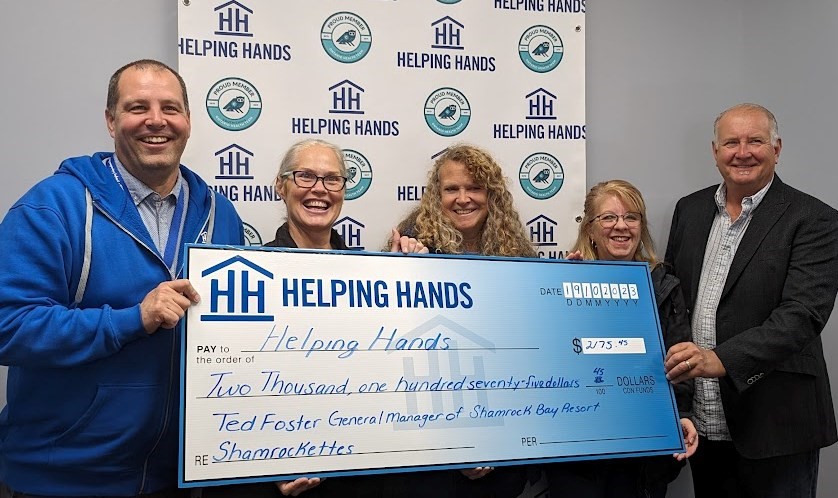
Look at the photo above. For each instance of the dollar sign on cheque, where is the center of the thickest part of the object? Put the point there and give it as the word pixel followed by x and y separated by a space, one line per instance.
pixel 577 345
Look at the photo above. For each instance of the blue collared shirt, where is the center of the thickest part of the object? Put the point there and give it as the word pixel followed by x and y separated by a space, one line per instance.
pixel 157 212
pixel 724 239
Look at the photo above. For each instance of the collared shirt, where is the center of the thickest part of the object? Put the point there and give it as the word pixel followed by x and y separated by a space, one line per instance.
pixel 158 212
pixel 724 239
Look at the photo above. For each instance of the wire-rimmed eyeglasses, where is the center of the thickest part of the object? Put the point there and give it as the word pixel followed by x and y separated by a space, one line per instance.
pixel 608 220
pixel 307 179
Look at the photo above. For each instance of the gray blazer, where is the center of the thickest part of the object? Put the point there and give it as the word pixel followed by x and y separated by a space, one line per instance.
pixel 777 298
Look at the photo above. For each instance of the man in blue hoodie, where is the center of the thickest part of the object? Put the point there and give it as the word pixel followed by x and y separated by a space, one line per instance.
pixel 89 296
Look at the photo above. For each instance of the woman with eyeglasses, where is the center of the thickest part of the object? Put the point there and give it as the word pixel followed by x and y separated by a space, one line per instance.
pixel 312 183
pixel 614 228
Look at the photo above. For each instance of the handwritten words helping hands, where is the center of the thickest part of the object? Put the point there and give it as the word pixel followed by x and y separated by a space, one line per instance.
pixel 405 244
pixel 166 304
pixel 686 360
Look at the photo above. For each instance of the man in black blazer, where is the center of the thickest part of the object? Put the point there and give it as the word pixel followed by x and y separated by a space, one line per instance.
pixel 758 263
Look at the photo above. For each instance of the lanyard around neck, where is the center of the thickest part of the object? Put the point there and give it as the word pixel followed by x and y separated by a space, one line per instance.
pixel 178 218
pixel 175 231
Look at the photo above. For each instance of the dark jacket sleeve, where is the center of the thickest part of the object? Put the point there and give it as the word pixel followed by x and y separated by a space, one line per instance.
pixel 675 327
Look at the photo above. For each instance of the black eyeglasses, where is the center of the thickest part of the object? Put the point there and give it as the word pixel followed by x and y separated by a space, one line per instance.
pixel 307 179
pixel 609 220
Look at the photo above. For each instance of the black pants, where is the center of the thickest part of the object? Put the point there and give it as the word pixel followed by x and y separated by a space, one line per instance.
pixel 719 471
pixel 503 482
pixel 594 479
pixel 7 492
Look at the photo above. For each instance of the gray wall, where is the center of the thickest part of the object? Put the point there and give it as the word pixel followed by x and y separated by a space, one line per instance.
pixel 658 73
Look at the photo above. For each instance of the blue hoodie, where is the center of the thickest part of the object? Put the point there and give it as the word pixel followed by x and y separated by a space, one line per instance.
pixel 92 398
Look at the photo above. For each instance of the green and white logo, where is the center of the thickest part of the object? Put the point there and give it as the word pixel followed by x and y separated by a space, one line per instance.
pixel 541 175
pixel 358 174
pixel 447 112
pixel 234 104
pixel 540 49
pixel 346 37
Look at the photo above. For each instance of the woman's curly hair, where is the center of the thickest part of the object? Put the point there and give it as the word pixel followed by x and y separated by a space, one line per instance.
pixel 502 234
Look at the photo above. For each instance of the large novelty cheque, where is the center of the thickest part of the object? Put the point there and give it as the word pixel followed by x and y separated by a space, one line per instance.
pixel 304 363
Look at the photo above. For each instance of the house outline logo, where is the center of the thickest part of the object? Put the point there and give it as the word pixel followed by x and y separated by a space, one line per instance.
pixel 233 19
pixel 447 31
pixel 234 163
pixel 237 292
pixel 351 231
pixel 541 229
pixel 346 98
pixel 448 400
pixel 540 105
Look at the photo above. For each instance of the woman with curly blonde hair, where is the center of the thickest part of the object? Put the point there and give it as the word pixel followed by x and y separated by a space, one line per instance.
pixel 467 208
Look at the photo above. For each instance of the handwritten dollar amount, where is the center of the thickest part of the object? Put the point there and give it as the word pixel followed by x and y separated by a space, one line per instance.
pixel 609 345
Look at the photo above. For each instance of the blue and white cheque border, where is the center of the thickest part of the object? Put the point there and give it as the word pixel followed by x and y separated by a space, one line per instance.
pixel 306 363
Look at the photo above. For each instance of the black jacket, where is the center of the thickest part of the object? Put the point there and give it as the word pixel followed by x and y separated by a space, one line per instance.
pixel 283 239
pixel 777 298
pixel 675 327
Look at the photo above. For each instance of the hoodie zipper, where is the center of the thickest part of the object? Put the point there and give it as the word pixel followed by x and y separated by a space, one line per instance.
pixel 165 424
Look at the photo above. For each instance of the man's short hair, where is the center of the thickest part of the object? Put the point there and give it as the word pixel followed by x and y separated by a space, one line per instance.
pixel 772 121
pixel 113 84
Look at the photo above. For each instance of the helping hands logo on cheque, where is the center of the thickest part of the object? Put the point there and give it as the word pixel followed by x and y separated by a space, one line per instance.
pixel 238 293
pixel 242 292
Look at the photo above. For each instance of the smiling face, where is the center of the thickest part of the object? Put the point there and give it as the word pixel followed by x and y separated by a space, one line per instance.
pixel 464 202
pixel 743 151
pixel 312 211
pixel 150 125
pixel 617 243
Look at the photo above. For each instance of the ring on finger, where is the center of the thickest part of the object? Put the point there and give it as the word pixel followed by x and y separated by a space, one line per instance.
pixel 689 367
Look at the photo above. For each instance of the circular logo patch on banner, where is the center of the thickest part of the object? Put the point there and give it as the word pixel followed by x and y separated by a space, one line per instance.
pixel 346 37
pixel 358 174
pixel 234 104
pixel 251 236
pixel 447 112
pixel 540 49
pixel 541 175
pixel 448 1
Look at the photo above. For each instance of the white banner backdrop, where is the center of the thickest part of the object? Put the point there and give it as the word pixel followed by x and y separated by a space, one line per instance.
pixel 392 82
